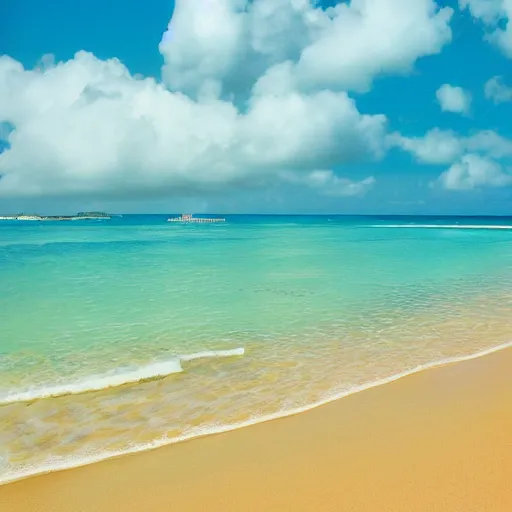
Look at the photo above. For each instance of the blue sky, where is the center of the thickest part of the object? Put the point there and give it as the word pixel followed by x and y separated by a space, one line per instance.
pixel 131 32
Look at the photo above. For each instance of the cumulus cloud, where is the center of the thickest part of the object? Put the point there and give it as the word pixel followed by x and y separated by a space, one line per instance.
pixel 489 143
pixel 252 91
pixel 328 184
pixel 225 46
pixel 496 16
pixel 87 125
pixel 436 147
pixel 496 91
pixel 474 171
pixel 445 146
pixel 453 99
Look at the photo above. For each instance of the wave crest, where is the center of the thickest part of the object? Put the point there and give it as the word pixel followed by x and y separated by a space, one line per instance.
pixel 121 377
pixel 213 353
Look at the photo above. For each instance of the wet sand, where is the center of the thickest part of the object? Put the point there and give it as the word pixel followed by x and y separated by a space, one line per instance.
pixel 439 440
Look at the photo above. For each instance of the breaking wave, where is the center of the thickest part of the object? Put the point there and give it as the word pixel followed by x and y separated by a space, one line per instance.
pixel 213 353
pixel 120 377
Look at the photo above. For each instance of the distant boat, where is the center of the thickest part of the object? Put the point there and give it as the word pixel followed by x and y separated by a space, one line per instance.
pixel 187 218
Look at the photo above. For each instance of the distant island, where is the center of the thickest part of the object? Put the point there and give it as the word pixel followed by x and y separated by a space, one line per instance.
pixel 78 216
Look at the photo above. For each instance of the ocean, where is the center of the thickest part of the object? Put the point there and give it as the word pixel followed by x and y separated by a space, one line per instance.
pixel 126 334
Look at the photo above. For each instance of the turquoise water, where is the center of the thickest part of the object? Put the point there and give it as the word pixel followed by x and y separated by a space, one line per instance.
pixel 124 334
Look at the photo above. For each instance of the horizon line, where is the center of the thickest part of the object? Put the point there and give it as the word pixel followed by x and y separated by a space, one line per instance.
pixel 490 215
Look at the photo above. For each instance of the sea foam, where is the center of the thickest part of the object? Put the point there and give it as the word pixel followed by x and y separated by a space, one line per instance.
pixel 441 226
pixel 120 377
pixel 213 353
pixel 58 464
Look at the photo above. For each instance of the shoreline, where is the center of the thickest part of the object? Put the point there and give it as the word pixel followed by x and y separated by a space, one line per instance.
pixel 436 440
pixel 200 433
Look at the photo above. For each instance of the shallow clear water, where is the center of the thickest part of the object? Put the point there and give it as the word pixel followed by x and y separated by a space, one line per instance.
pixel 124 334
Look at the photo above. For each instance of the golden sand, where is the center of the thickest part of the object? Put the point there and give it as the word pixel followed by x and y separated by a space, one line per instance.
pixel 440 440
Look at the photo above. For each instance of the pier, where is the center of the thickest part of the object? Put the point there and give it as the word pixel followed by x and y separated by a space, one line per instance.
pixel 188 218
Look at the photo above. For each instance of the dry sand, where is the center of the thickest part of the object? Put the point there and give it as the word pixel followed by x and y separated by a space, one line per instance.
pixel 440 440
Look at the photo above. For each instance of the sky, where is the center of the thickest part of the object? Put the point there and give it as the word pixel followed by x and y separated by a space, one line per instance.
pixel 256 106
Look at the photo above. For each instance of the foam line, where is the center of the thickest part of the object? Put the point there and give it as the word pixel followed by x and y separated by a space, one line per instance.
pixel 52 466
pixel 153 370
pixel 213 353
pixel 441 226
pixel 95 382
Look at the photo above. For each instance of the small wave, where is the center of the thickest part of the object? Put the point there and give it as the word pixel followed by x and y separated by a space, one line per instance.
pixel 213 353
pixel 95 382
pixel 61 464
pixel 121 377
pixel 440 226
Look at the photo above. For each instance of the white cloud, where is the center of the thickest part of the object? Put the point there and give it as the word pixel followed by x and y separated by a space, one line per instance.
pixel 453 99
pixel 473 171
pixel 436 147
pixel 489 143
pixel 251 90
pixel 496 91
pixel 496 16
pixel 87 126
pixel 445 146
pixel 227 45
pixel 364 39
pixel 489 11
pixel 328 184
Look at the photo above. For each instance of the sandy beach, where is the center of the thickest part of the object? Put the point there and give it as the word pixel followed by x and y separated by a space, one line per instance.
pixel 439 440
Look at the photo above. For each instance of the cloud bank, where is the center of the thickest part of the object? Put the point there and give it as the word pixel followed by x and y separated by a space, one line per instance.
pixel 475 159
pixel 87 125
pixel 438 147
pixel 251 93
